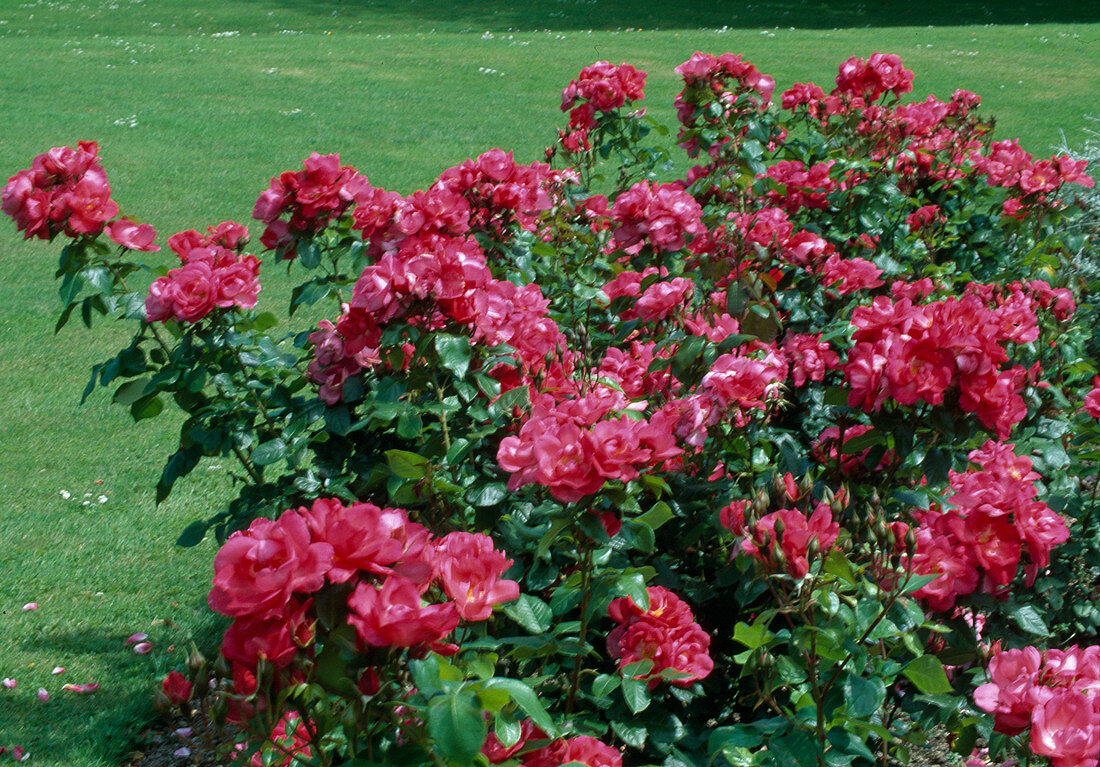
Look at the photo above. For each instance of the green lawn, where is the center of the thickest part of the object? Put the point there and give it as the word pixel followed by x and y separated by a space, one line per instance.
pixel 196 104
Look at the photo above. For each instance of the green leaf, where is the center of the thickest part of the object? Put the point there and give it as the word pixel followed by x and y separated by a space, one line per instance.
pixel 487 495
pixel 269 452
pixel 633 585
pixel 130 392
pixel 657 515
pixel 530 612
pixel 146 407
pixel 752 636
pixel 605 684
pixel 507 731
pixel 407 465
pixel 525 698
pixel 792 749
pixel 454 353
pixel 636 694
pixel 457 726
pixel 927 675
pixel 863 696
pixel 192 535
pixel 1029 619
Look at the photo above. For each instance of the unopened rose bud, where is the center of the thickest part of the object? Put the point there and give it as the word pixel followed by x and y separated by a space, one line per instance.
pixel 806 484
pixel 762 502
pixel 813 548
pixel 195 659
pixel 778 558
pixel 910 543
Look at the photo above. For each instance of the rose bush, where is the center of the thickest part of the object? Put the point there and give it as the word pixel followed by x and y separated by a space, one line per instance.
pixel 588 465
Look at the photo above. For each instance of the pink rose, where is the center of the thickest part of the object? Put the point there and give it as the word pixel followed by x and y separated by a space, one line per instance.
pixel 133 236
pixel 258 569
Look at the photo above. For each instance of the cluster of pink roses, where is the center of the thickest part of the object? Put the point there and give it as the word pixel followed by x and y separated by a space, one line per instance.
pixel 213 275
pixel 312 197
pixel 64 190
pixel 1054 692
pixel 266 577
pixel 662 216
pixel 913 353
pixel 802 187
pixel 582 749
pixel 572 447
pixel 499 190
pixel 600 87
pixel 1007 165
pixel 666 634
pixel 728 79
pixel 781 539
pixel 868 79
pixel 994 518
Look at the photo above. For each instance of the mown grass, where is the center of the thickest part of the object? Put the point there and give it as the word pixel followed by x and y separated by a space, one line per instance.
pixel 193 121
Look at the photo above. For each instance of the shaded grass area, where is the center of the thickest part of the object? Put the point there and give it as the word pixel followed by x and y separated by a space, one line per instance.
pixel 196 105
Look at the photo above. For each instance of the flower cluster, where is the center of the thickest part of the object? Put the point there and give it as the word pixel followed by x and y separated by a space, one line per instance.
pixel 64 190
pixel 600 87
pixel 499 190
pixel 582 749
pixel 572 447
pixel 211 276
pixel 662 216
pixel 1054 692
pixel 311 197
pixel 267 576
pixel 728 80
pixel 868 79
pixel 666 634
pixel 916 353
pixel 994 518
pixel 787 539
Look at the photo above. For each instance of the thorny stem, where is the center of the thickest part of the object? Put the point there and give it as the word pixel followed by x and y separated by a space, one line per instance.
pixel 442 415
pixel 586 598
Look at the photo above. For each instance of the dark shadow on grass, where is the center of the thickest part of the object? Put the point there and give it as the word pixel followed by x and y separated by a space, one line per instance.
pixel 500 15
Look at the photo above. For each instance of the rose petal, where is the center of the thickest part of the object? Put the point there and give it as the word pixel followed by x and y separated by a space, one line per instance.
pixel 58 670
pixel 184 732
pixel 182 751
pixel 141 648
pixel 43 694
pixel 30 606
pixel 19 754
pixel 139 637
pixel 82 688
pixel 9 683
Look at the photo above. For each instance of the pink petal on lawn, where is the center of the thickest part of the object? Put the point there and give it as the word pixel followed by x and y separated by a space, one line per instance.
pixel 19 754
pixel 43 695
pixel 139 637
pixel 143 647
pixel 9 683
pixel 82 688
pixel 30 606
pixel 58 670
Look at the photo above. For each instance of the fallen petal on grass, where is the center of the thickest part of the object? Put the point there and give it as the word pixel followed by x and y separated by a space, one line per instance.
pixel 138 637
pixel 141 648
pixel 81 689
pixel 9 683
pixel 43 694
pixel 19 754
pixel 30 606
pixel 58 670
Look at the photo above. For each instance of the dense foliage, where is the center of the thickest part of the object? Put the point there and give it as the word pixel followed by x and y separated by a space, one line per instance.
pixel 591 466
